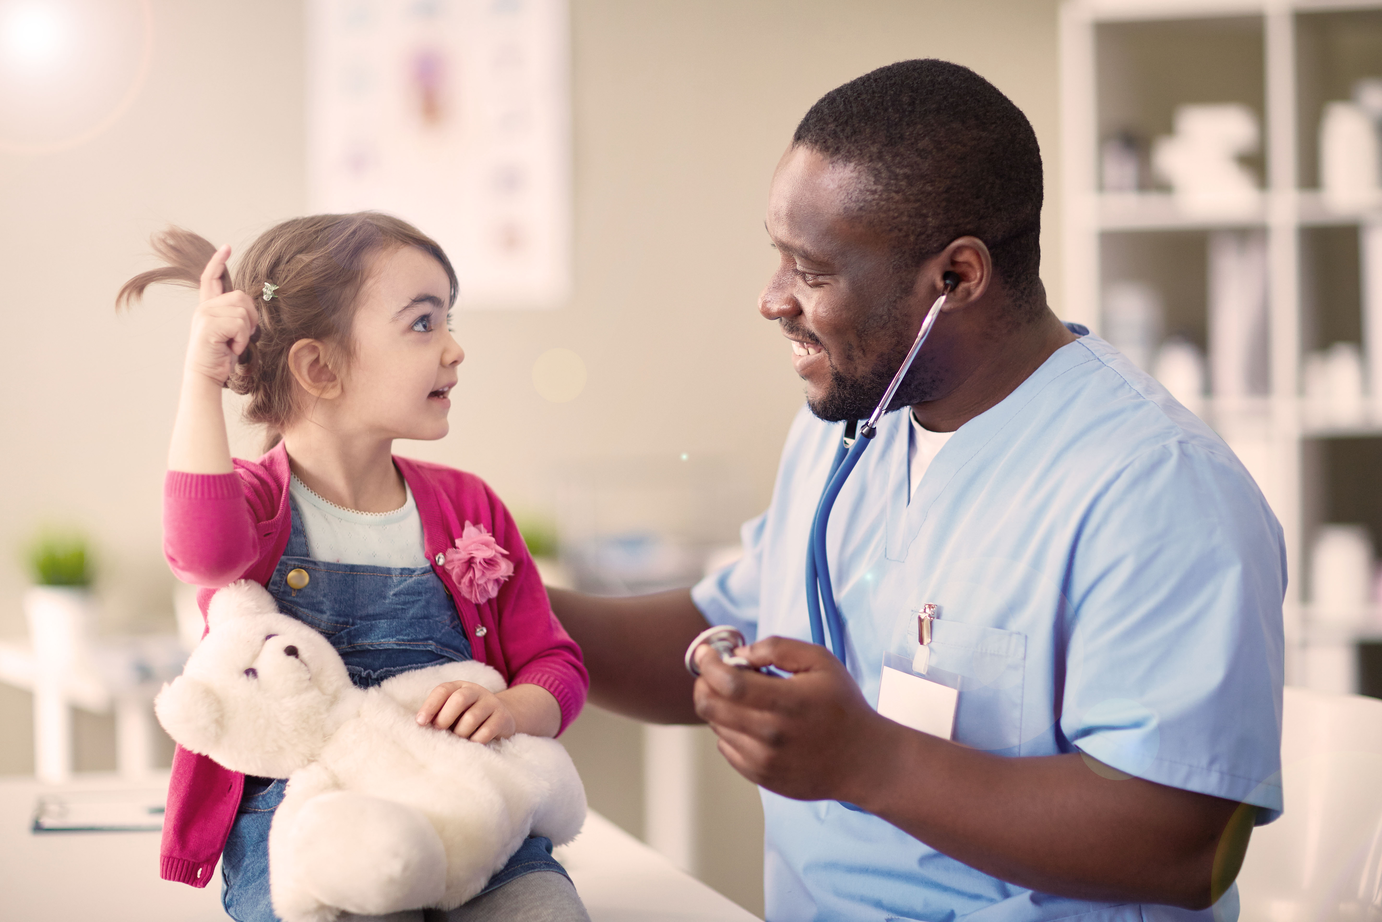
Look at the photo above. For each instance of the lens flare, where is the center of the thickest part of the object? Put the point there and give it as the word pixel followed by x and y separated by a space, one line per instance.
pixel 32 34
pixel 69 69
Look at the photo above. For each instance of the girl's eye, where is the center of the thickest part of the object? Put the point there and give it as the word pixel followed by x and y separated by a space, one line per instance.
pixel 423 324
pixel 450 327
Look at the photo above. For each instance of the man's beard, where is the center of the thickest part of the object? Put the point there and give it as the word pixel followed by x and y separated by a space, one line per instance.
pixel 856 397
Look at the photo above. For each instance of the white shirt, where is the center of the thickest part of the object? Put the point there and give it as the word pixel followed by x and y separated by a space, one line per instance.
pixel 376 539
pixel 921 448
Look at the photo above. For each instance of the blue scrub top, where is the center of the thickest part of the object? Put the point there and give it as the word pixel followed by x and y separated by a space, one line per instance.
pixel 1109 579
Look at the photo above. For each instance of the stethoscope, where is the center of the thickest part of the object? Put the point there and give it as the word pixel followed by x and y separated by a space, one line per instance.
pixel 819 595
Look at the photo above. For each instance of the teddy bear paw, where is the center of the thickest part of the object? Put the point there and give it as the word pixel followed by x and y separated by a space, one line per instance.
pixel 366 855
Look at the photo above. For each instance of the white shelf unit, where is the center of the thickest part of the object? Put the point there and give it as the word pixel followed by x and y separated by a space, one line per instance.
pixel 1125 65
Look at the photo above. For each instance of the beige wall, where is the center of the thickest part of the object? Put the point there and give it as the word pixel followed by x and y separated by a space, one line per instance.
pixel 681 110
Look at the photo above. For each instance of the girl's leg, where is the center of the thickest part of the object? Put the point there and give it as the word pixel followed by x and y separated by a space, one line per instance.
pixel 245 861
pixel 542 896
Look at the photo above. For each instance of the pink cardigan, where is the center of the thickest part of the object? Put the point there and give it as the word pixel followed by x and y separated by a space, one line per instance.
pixel 219 528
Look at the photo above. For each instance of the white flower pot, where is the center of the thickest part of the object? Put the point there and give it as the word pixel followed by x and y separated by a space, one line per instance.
pixel 62 626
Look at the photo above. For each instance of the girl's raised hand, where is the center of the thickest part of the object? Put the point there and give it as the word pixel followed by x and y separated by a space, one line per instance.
pixel 222 325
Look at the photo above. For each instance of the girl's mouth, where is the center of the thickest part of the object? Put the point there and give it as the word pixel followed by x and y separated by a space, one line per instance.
pixel 441 392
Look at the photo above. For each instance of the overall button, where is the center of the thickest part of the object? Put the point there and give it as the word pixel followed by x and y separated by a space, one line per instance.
pixel 440 559
pixel 298 578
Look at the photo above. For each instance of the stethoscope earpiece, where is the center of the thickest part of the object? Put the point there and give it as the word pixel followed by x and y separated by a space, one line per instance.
pixel 951 281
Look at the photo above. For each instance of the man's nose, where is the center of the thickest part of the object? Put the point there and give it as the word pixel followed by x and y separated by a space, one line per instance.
pixel 776 300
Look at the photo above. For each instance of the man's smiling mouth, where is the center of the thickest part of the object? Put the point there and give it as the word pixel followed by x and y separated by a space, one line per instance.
pixel 804 348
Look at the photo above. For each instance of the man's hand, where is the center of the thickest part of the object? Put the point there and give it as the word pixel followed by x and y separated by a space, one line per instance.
pixel 1059 824
pixel 805 736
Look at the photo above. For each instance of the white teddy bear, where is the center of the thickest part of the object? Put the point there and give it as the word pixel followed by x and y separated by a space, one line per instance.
pixel 380 814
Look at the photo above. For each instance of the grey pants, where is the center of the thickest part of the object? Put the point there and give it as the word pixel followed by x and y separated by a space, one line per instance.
pixel 542 896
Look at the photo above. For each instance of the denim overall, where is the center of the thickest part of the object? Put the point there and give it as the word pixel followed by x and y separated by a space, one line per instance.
pixel 382 621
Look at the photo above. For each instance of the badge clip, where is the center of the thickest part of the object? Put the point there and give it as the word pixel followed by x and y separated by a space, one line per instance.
pixel 926 616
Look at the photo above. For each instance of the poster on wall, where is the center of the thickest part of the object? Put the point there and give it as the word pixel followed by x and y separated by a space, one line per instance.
pixel 454 115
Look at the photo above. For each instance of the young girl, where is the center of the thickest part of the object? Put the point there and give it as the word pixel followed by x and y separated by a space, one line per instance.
pixel 336 328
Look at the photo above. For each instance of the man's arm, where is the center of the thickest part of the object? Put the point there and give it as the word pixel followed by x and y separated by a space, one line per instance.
pixel 633 648
pixel 1058 824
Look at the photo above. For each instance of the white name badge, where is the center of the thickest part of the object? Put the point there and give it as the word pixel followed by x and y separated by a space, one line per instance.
pixel 917 703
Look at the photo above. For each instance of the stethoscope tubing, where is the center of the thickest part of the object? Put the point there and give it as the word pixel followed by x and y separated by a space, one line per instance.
pixel 822 612
pixel 819 591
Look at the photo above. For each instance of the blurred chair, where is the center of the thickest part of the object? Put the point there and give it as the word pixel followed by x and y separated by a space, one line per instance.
pixel 1322 859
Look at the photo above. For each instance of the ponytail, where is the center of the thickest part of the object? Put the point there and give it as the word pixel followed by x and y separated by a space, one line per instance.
pixel 186 255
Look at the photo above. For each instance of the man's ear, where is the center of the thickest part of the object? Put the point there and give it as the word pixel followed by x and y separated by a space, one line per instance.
pixel 310 363
pixel 969 259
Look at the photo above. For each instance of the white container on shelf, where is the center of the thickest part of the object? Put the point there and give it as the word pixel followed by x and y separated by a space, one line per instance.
pixel 1350 158
pixel 1180 369
pixel 1341 575
pixel 1238 314
pixel 1334 388
pixel 1133 320
pixel 1200 160
pixel 1370 258
pixel 1120 164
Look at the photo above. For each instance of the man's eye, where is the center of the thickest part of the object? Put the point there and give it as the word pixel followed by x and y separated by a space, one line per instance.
pixel 423 324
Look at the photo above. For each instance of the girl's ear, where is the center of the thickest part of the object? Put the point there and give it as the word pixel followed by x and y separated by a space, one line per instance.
pixel 308 361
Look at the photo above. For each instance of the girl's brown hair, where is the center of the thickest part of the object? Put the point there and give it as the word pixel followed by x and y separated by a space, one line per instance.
pixel 319 264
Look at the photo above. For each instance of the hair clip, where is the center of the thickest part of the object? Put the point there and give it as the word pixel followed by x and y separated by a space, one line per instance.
pixel 269 289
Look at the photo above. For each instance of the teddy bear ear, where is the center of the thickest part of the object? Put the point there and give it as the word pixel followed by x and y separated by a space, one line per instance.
pixel 245 597
pixel 191 712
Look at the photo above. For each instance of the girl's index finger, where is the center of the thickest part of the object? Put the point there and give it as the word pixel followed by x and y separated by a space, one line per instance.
pixel 213 276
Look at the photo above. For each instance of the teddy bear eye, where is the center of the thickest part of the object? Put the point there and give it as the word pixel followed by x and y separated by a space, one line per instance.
pixel 252 672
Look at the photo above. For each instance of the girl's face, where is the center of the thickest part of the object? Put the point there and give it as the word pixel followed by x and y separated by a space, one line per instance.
pixel 404 363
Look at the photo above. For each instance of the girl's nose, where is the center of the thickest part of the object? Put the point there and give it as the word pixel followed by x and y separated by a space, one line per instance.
pixel 454 354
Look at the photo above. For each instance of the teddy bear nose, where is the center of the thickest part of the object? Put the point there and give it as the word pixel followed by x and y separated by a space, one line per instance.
pixel 290 650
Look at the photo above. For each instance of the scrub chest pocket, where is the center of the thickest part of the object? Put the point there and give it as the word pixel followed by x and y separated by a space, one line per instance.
pixel 990 664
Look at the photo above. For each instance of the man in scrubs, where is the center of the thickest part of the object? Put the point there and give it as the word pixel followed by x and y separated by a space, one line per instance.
pixel 1099 576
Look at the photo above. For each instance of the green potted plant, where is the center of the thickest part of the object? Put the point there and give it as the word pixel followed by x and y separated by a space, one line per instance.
pixel 540 535
pixel 58 606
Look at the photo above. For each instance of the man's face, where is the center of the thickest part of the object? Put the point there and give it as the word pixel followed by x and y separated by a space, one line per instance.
pixel 836 293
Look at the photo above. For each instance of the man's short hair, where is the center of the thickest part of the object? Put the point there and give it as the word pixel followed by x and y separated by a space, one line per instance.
pixel 943 154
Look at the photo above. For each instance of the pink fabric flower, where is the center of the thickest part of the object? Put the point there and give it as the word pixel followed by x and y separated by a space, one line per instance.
pixel 478 564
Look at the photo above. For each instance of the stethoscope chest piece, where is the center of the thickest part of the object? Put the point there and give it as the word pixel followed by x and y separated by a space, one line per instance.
pixel 724 640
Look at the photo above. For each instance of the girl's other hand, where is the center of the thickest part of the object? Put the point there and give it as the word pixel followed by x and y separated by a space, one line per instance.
pixel 222 325
pixel 468 710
